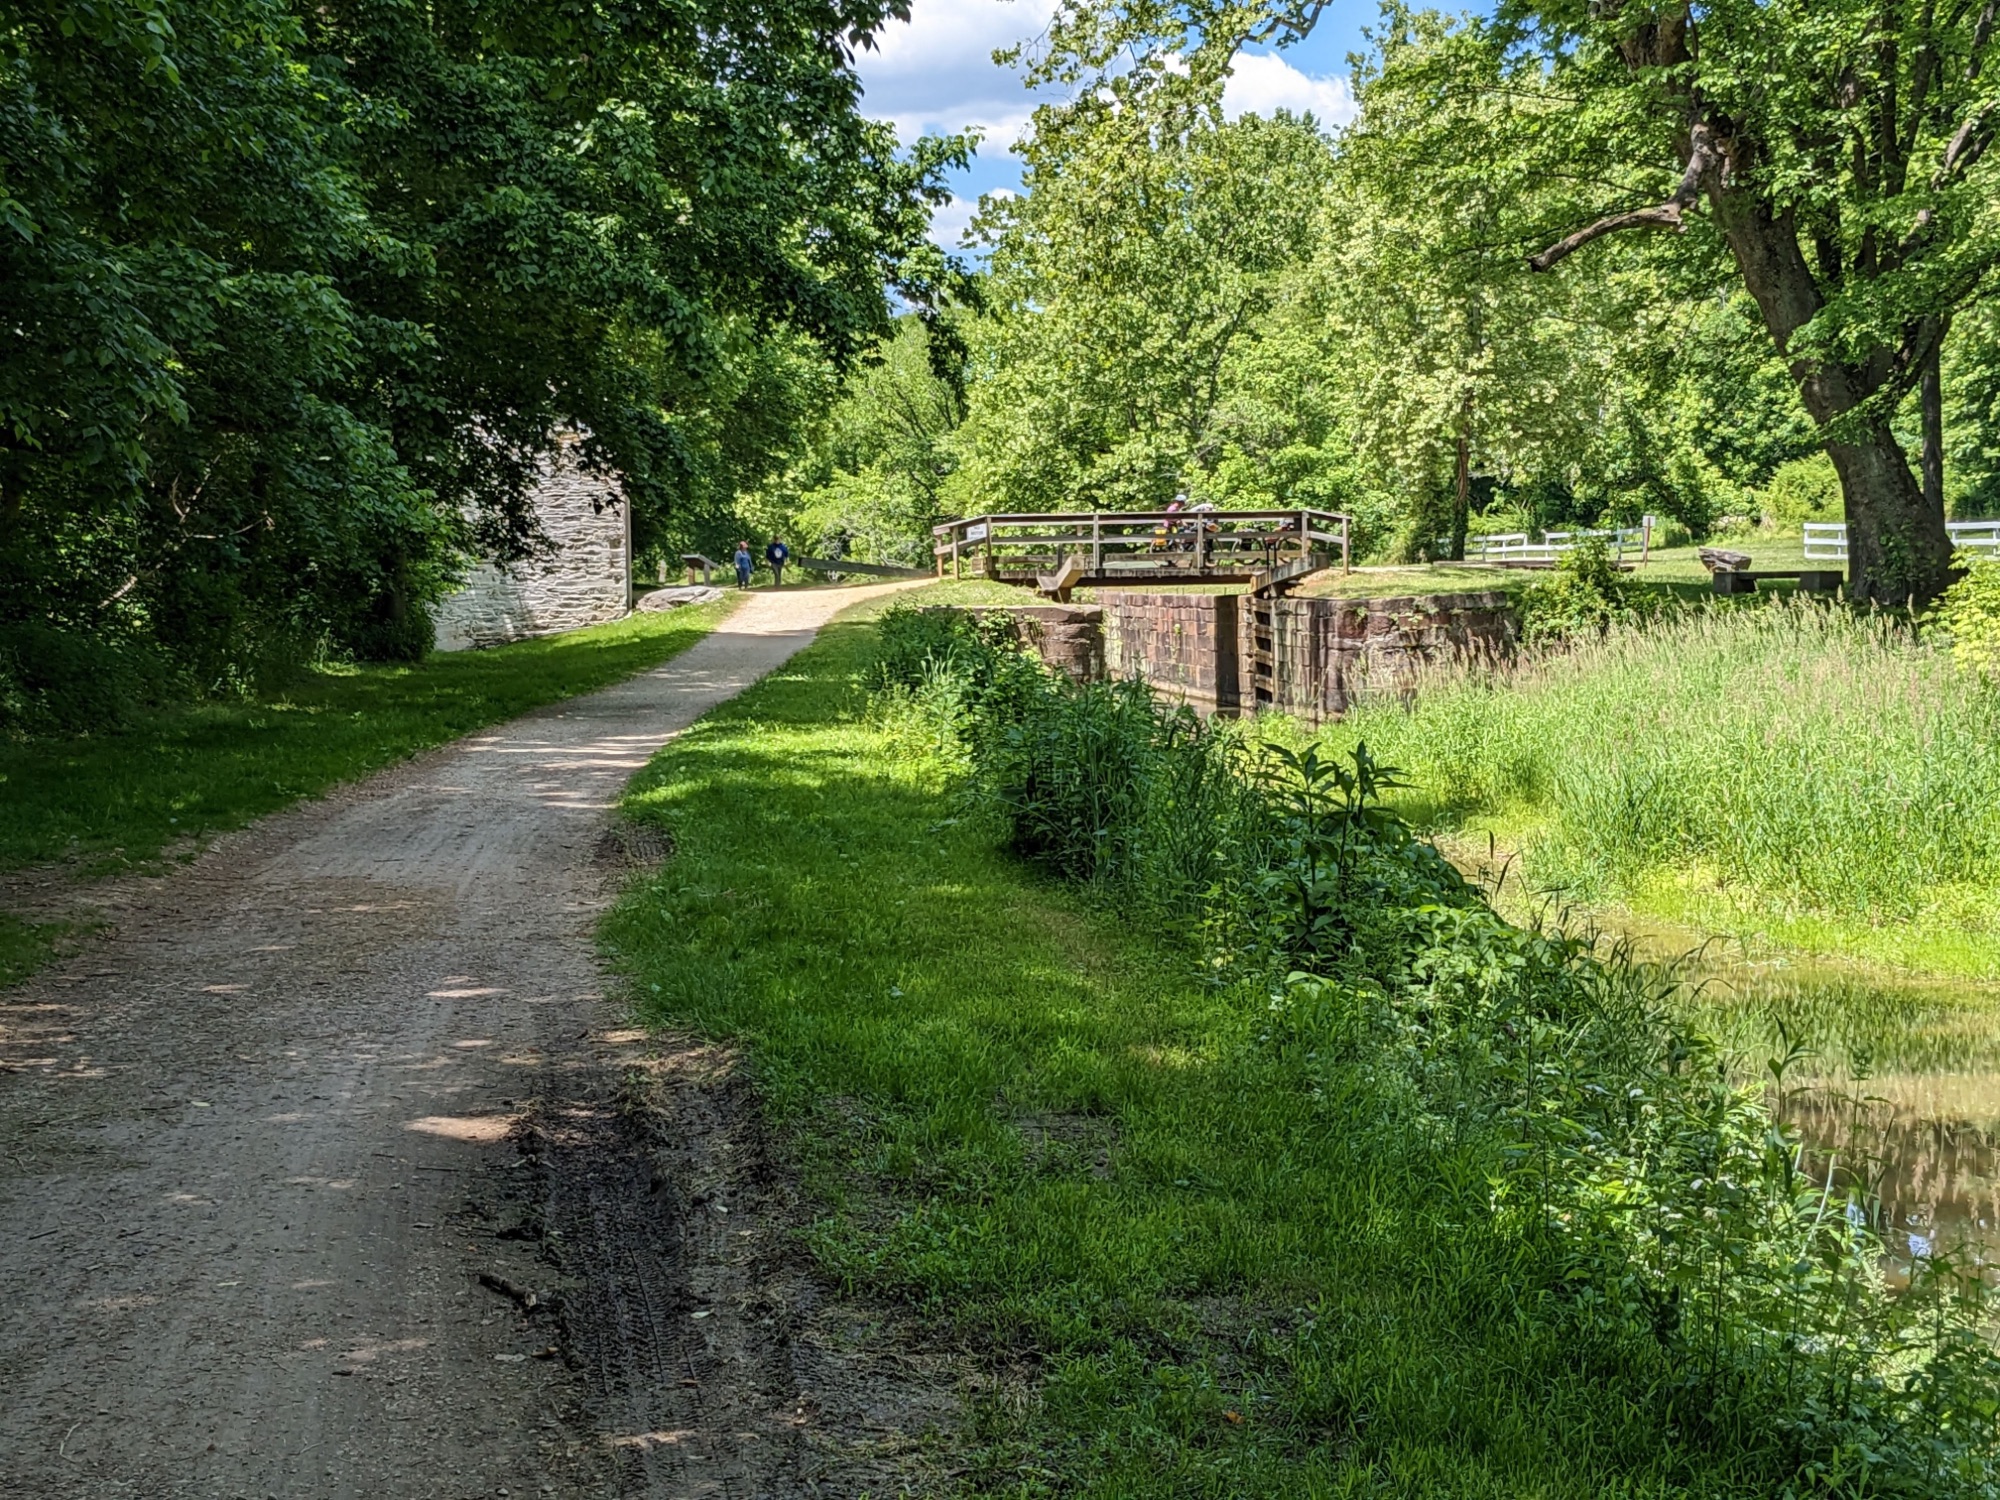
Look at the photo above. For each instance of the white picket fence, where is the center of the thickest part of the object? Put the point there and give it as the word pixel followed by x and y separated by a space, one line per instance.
pixel 1515 546
pixel 1828 539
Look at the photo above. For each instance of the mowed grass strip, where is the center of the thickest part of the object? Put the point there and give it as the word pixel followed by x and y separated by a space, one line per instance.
pixel 122 799
pixel 1186 1266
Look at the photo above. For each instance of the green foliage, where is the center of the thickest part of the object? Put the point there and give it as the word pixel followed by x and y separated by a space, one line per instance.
pixel 1398 1200
pixel 1126 283
pixel 1971 381
pixel 1969 614
pixel 1828 160
pixel 297 301
pixel 1806 489
pixel 1584 596
pixel 871 488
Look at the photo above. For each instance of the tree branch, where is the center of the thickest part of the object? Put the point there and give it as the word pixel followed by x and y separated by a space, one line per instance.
pixel 1968 144
pixel 1669 215
pixel 1982 31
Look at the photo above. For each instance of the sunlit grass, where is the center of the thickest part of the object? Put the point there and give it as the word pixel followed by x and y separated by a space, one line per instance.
pixel 1030 1122
pixel 1791 770
pixel 121 799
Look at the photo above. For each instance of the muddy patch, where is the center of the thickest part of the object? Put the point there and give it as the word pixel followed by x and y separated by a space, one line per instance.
pixel 632 847
pixel 719 1360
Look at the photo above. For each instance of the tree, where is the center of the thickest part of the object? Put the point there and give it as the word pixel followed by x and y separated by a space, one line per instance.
pixel 1124 278
pixel 609 207
pixel 293 304
pixel 1457 360
pixel 871 487
pixel 1838 148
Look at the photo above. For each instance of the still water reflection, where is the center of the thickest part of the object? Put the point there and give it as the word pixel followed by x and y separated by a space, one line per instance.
pixel 1899 1094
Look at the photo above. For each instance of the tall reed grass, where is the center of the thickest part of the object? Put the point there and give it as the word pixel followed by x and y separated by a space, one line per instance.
pixel 1813 760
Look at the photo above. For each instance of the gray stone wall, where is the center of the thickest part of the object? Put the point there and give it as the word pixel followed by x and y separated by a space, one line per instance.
pixel 585 581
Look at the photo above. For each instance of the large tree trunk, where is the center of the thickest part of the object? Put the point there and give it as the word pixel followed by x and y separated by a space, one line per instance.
pixel 1932 402
pixel 1898 552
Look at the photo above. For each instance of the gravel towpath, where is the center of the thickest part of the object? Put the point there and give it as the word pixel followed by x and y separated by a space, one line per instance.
pixel 260 1145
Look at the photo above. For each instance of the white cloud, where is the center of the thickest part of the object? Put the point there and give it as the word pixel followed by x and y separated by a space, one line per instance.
pixel 936 70
pixel 949 223
pixel 1263 82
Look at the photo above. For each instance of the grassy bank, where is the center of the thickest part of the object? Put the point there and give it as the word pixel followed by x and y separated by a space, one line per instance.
pixel 1207 1240
pixel 1791 770
pixel 115 800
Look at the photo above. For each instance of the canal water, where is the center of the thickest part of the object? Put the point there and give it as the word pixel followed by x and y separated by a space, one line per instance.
pixel 1897 1092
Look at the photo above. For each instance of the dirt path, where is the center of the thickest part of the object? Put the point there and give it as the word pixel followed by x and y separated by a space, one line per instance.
pixel 258 1148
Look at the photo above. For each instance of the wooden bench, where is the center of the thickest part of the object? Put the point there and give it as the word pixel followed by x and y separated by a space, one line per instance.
pixel 695 563
pixel 1809 580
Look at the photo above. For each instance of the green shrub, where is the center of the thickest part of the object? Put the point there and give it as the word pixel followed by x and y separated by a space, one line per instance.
pixel 1583 597
pixel 64 682
pixel 1806 489
pixel 1969 614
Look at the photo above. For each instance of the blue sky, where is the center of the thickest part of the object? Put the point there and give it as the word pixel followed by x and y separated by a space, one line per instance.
pixel 935 72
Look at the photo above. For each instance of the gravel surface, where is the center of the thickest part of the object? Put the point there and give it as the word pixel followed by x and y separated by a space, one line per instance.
pixel 311 1175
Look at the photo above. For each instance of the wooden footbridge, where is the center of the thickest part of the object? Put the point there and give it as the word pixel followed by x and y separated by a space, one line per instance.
pixel 1056 552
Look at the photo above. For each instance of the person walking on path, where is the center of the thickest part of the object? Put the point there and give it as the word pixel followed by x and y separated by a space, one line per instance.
pixel 777 555
pixel 743 565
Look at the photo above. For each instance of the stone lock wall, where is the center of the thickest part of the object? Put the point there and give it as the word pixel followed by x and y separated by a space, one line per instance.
pixel 1232 654
pixel 1314 657
pixel 585 581
pixel 1069 637
pixel 1183 645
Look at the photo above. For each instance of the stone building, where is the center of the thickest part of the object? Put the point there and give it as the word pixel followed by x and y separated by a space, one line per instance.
pixel 586 580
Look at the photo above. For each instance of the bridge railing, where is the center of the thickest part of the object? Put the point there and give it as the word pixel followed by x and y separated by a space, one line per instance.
pixel 1516 546
pixel 1141 543
pixel 1828 539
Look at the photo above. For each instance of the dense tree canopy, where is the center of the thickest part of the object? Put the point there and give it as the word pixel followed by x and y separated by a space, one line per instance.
pixel 296 299
pixel 293 302
pixel 1831 157
pixel 1261 312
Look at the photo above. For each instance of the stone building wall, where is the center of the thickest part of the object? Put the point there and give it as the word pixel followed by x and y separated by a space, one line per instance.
pixel 585 581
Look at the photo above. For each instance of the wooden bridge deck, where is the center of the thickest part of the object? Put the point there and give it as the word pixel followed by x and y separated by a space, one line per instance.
pixel 1060 551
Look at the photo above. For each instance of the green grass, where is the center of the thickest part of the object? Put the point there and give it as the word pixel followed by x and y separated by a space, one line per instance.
pixel 1031 1121
pixel 26 946
pixel 114 800
pixel 1796 772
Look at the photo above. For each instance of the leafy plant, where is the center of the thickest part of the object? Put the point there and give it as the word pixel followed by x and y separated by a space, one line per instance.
pixel 1584 596
pixel 1969 614
pixel 1620 1193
